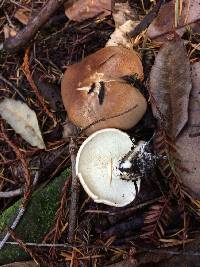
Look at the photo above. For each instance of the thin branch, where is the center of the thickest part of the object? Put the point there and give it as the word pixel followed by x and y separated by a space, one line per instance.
pixel 124 211
pixel 147 20
pixel 75 188
pixel 12 86
pixel 13 226
pixel 27 72
pixel 19 191
pixel 17 219
pixel 24 36
pixel 143 249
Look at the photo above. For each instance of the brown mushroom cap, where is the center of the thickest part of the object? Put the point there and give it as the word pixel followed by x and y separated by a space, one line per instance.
pixel 108 64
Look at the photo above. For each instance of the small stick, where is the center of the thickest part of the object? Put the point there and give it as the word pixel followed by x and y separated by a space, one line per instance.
pixel 17 219
pixel 147 20
pixel 13 226
pixel 12 86
pixel 24 36
pixel 18 191
pixel 75 188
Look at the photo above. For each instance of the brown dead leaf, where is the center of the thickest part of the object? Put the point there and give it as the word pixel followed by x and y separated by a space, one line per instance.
pixel 188 143
pixel 9 32
pixel 170 86
pixel 22 15
pixel 164 23
pixel 85 9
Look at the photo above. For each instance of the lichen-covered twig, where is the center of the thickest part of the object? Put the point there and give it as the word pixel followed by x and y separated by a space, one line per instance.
pixel 20 213
pixel 24 36
pixel 17 192
pixel 75 188
pixel 13 226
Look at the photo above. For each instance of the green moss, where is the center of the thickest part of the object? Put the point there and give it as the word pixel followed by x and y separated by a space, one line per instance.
pixel 37 220
pixel 8 214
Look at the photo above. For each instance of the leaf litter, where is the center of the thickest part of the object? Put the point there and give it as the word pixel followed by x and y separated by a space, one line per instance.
pixel 170 86
pixel 76 40
pixel 23 120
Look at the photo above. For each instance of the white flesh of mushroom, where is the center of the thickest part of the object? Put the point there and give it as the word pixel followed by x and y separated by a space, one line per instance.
pixel 97 166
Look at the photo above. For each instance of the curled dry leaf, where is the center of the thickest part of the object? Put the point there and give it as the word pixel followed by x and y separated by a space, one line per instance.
pixel 165 22
pixel 23 120
pixel 170 86
pixel 22 15
pixel 188 143
pixel 85 9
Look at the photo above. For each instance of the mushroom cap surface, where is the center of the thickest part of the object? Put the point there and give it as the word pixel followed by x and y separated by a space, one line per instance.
pixel 122 104
pixel 96 166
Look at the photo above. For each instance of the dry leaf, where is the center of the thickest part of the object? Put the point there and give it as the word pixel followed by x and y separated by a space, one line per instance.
pixel 23 120
pixel 9 32
pixel 22 15
pixel 170 86
pixel 165 21
pixel 85 9
pixel 188 143
pixel 122 12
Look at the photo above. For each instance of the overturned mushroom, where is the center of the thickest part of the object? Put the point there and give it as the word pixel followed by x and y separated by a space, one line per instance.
pixel 98 168
pixel 94 90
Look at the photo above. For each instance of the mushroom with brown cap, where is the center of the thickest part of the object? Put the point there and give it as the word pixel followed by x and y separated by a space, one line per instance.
pixel 93 90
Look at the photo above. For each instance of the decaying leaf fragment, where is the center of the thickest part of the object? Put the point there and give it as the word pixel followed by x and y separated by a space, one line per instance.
pixel 9 32
pixel 23 120
pixel 126 19
pixel 170 86
pixel 85 9
pixel 188 143
pixel 187 15
pixel 22 15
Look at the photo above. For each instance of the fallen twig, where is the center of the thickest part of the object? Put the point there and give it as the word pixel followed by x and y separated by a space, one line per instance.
pixel 124 211
pixel 12 86
pixel 28 75
pixel 18 191
pixel 18 217
pixel 24 36
pixel 21 156
pixel 60 217
pixel 147 20
pixel 13 226
pixel 74 194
